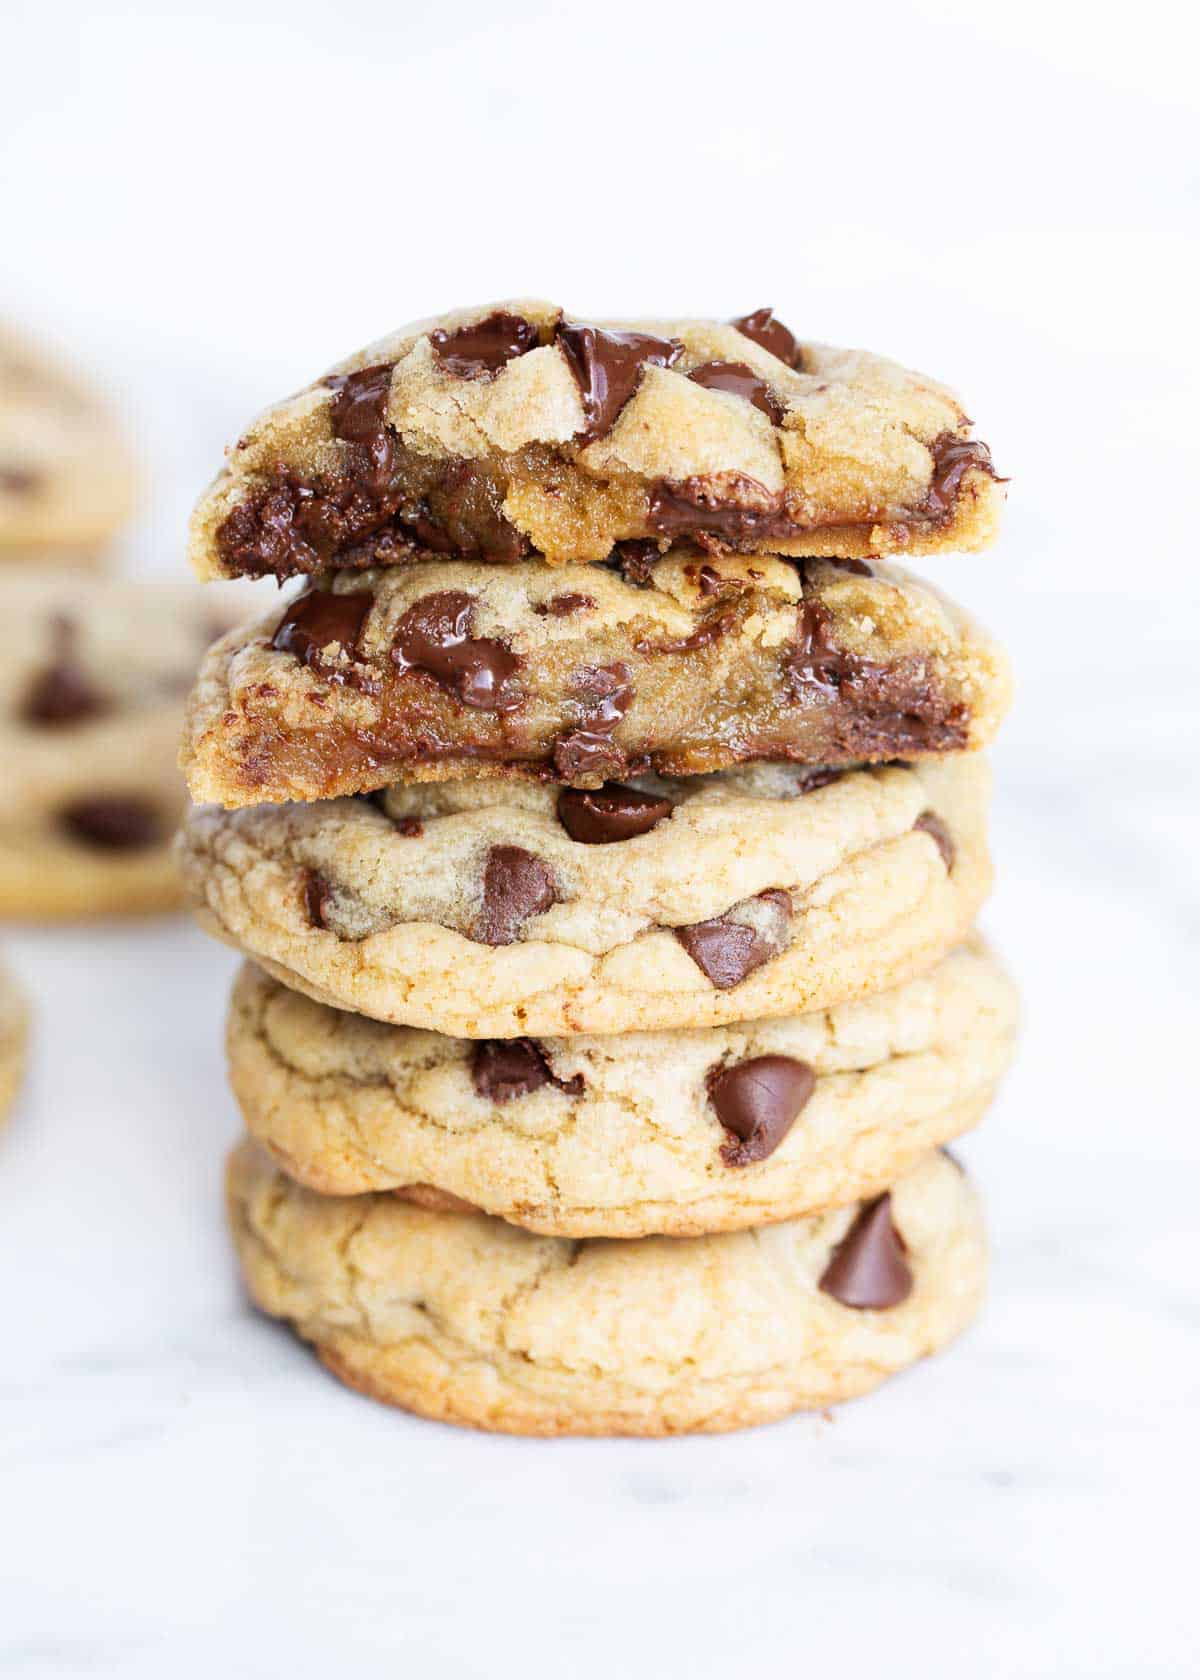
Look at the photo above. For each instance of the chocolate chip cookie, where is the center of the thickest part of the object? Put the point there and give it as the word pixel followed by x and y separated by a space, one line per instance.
pixel 582 674
pixel 14 1040
pixel 515 429
pixel 91 701
pixel 673 1132
pixel 505 909
pixel 469 1320
pixel 66 482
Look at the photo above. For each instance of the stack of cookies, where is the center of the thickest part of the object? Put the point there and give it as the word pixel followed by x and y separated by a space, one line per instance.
pixel 606 827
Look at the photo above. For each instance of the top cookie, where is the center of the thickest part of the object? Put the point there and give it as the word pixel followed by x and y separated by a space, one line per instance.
pixel 512 429
pixel 66 481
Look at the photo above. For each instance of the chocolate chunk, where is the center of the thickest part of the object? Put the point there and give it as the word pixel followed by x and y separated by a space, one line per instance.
pixel 62 693
pixel 741 381
pixel 610 813
pixel 758 1101
pixel 20 481
pixel 930 823
pixel 113 823
pixel 808 781
pixel 634 559
pixel 410 827
pixel 317 894
pixel 481 350
pixel 761 326
pixel 590 749
pixel 434 636
pixel 504 1068
pixel 727 951
pixel 952 456
pixel 318 620
pixel 729 507
pixel 358 416
pixel 562 606
pixel 868 1268
pixel 516 886
pixel 608 367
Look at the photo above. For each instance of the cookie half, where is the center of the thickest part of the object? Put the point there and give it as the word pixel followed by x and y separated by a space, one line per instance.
pixel 513 429
pixel 498 910
pixel 91 702
pixel 584 674
pixel 66 480
pixel 676 1132
pixel 14 1040
pixel 469 1320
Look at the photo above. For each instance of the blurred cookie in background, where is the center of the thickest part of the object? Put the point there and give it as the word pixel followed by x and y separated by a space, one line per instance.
pixel 91 706
pixel 66 475
pixel 14 1040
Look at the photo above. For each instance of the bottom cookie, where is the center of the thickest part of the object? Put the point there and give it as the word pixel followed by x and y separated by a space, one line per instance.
pixel 469 1320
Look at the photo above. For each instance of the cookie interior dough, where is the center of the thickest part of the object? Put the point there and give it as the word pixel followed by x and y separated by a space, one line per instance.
pixel 683 1132
pixel 513 429
pixel 470 909
pixel 469 1320
pixel 582 674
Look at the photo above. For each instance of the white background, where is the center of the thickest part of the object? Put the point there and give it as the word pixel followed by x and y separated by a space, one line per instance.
pixel 210 203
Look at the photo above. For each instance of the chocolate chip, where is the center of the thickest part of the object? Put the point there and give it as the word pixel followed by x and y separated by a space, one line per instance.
pixel 410 827
pixel 317 894
pixel 608 367
pixel 434 636
pixel 516 886
pixel 504 1068
pixel 758 1101
pixel 62 693
pixel 318 620
pixel 479 351
pixel 762 327
pixel 741 381
pixel 868 1268
pixel 562 606
pixel 114 824
pixel 952 456
pixel 727 951
pixel 20 481
pixel 607 695
pixel 634 560
pixel 358 416
pixel 728 507
pixel 708 582
pixel 808 781
pixel 930 823
pixel 610 813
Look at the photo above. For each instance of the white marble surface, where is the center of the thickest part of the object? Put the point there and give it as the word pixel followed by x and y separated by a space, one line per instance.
pixel 182 1491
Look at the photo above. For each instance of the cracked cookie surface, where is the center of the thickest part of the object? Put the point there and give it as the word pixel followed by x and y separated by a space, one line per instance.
pixel 512 429
pixel 14 1040
pixel 581 674
pixel 66 481
pixel 469 1320
pixel 91 702
pixel 676 1132
pixel 471 908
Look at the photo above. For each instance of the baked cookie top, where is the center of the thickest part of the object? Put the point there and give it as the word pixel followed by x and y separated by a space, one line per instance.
pixel 66 480
pixel 514 429
pixel 579 674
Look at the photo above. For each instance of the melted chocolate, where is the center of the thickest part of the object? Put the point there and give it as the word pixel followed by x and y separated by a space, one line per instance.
pixel 740 381
pixel 434 636
pixel 731 507
pixel 727 951
pixel 608 368
pixel 358 415
pixel 762 327
pixel 479 351
pixel 590 750
pixel 319 619
pixel 952 456
pixel 505 1068
pixel 317 894
pixel 610 813
pixel 562 606
pixel 930 823
pixel 868 1268
pixel 758 1101
pixel 516 886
